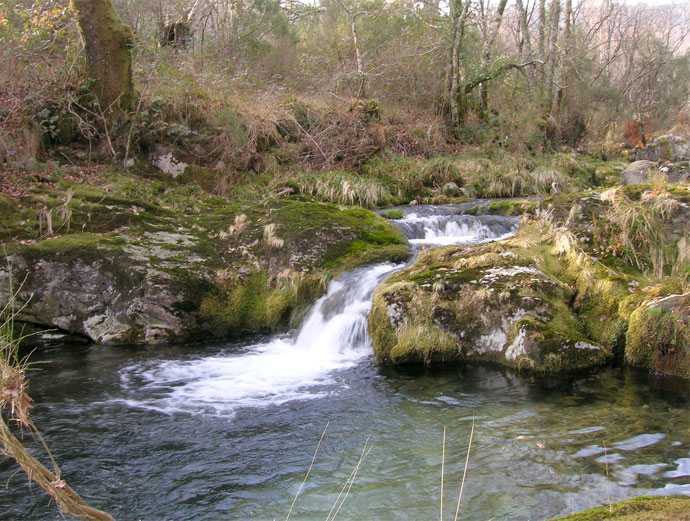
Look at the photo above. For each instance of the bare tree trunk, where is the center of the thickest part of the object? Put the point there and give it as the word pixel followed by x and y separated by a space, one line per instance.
pixel 560 77
pixel 457 96
pixel 108 52
pixel 494 26
pixel 361 92
pixel 542 43
pixel 361 76
pixel 553 55
pixel 527 54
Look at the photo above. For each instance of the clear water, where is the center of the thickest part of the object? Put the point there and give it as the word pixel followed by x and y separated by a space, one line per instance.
pixel 227 431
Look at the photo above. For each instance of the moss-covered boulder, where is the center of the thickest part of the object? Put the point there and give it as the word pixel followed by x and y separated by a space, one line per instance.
pixel 667 147
pixel 671 508
pixel 658 336
pixel 562 294
pixel 492 302
pixel 111 288
pixel 138 271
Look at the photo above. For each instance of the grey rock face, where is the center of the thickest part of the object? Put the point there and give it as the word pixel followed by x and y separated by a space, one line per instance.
pixel 107 295
pixel 637 172
pixel 668 147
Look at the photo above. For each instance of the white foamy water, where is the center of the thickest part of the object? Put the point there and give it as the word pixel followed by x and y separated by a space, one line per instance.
pixel 304 366
pixel 445 230
pixel 333 337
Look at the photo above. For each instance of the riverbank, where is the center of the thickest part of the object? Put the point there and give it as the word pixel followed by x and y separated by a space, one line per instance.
pixel 167 257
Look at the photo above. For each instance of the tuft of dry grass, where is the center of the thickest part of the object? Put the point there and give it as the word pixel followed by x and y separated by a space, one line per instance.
pixel 240 225
pixel 270 237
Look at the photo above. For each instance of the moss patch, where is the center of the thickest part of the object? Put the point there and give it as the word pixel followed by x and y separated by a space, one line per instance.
pixel 673 508
pixel 658 336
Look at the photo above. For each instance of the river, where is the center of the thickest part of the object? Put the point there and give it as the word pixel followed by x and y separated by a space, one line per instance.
pixel 223 430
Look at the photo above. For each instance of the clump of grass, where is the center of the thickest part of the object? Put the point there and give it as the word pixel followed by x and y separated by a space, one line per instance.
pixel 270 236
pixel 440 170
pixel 640 229
pixel 544 180
pixel 564 242
pixel 506 185
pixel 240 225
pixel 235 230
pixel 344 188
pixel 393 214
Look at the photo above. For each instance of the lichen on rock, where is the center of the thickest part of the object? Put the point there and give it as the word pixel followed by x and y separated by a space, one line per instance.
pixel 480 303
pixel 145 274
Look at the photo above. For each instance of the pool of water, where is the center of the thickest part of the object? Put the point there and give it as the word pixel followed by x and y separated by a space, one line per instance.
pixel 540 447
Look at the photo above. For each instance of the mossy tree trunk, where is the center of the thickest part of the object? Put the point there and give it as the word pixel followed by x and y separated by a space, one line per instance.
pixel 107 42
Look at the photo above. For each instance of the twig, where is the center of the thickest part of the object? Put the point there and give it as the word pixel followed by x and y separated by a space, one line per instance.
pixel 328 161
pixel 67 499
pixel 349 482
pixel 443 464
pixel 308 471
pixel 464 474
pixel 608 485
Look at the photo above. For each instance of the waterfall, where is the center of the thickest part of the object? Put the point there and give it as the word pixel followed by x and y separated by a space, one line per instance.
pixel 304 365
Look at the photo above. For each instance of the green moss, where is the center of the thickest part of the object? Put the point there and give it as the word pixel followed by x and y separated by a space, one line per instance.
pixel 237 305
pixel 382 332
pixel 203 177
pixel 659 339
pixel 671 508
pixel 507 208
pixel 83 246
pixel 7 205
pixel 393 214
pixel 349 237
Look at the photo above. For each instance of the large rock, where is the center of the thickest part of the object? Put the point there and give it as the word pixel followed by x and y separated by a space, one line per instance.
pixel 109 289
pixel 144 274
pixel 484 303
pixel 637 173
pixel 668 147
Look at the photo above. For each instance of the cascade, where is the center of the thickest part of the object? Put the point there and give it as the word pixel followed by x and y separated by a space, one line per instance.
pixel 332 337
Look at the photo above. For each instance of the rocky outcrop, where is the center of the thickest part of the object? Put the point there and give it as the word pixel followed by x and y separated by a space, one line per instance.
pixel 109 289
pixel 141 273
pixel 569 291
pixel 485 303
pixel 667 147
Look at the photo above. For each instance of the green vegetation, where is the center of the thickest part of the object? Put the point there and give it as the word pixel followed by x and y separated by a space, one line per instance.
pixel 393 214
pixel 672 508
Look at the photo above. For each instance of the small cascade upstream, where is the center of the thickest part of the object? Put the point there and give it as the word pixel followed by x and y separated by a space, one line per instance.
pixel 442 226
pixel 333 336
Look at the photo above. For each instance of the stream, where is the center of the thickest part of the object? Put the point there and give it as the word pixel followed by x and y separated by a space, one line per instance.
pixel 222 430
